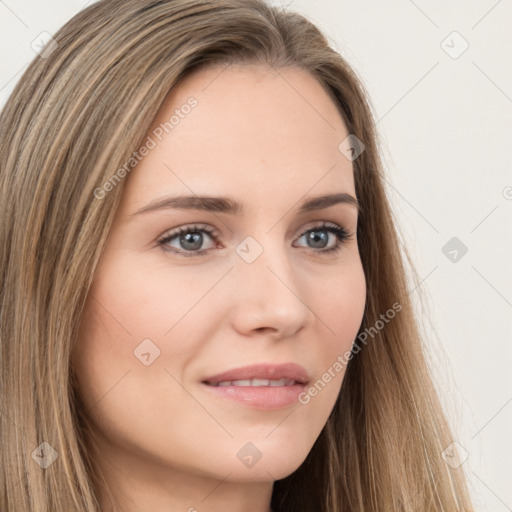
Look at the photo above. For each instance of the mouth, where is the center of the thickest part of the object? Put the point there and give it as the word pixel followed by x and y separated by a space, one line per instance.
pixel 261 386
pixel 253 383
pixel 262 374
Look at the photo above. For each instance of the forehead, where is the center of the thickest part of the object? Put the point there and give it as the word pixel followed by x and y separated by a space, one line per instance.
pixel 251 128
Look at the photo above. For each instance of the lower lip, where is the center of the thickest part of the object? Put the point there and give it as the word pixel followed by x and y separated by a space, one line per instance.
pixel 260 397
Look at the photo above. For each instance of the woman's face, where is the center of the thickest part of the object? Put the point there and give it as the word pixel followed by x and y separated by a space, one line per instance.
pixel 252 285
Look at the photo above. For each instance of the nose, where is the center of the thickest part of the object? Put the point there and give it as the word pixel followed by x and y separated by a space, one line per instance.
pixel 269 296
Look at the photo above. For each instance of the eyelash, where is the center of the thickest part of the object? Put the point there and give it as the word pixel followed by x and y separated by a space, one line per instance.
pixel 341 234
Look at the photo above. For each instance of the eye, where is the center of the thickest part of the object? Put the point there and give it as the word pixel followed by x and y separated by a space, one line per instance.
pixel 188 240
pixel 319 237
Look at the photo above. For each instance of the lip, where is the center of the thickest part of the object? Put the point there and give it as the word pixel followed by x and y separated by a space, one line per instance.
pixel 290 371
pixel 260 397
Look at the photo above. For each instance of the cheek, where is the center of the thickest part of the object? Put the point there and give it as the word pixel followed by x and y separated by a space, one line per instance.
pixel 340 308
pixel 128 370
pixel 139 324
pixel 152 297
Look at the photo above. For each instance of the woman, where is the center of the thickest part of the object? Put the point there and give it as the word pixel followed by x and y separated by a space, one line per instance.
pixel 204 304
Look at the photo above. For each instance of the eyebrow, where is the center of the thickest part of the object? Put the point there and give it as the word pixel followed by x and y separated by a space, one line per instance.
pixel 232 207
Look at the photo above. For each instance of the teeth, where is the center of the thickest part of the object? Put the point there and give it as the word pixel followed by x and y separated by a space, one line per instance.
pixel 256 382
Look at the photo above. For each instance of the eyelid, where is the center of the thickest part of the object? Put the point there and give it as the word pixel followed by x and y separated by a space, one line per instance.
pixel 215 233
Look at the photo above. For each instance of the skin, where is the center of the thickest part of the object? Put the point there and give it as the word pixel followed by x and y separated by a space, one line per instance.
pixel 269 140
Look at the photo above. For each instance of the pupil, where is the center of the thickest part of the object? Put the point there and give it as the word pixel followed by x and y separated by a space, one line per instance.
pixel 195 239
pixel 319 236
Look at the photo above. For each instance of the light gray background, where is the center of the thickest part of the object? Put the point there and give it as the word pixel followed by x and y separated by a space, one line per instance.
pixel 446 121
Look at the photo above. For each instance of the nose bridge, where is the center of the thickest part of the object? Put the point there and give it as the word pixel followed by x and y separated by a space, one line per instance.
pixel 268 295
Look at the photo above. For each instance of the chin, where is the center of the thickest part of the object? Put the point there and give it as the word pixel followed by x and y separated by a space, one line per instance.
pixel 263 473
pixel 273 463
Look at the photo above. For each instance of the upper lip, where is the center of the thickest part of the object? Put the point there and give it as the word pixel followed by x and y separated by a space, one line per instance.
pixel 291 371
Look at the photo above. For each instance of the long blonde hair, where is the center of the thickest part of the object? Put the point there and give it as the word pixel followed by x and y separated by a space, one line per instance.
pixel 75 117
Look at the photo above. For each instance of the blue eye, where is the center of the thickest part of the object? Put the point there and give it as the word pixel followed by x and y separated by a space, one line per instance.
pixel 190 239
pixel 319 236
